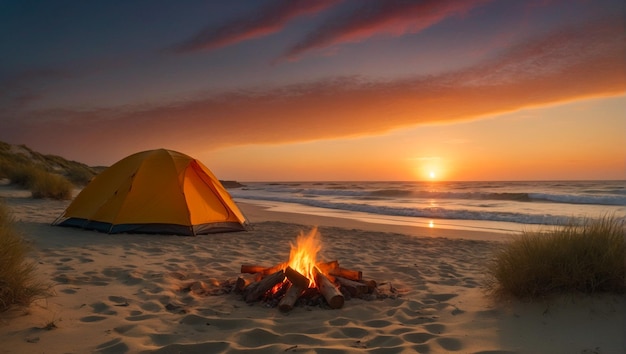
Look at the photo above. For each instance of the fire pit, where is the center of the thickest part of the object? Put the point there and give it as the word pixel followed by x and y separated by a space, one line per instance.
pixel 302 277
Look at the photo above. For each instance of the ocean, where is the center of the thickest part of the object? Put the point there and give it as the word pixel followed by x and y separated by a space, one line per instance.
pixel 499 206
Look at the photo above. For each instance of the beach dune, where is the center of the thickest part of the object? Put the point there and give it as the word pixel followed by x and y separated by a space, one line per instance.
pixel 126 293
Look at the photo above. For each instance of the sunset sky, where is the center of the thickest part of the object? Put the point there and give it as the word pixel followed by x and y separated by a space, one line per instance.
pixel 287 90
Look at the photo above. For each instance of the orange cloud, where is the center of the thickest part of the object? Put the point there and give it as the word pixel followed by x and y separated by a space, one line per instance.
pixel 566 65
pixel 267 20
pixel 394 17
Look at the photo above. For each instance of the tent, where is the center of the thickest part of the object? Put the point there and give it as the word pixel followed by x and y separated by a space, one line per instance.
pixel 157 191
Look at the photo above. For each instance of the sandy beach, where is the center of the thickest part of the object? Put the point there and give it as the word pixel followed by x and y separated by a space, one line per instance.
pixel 122 293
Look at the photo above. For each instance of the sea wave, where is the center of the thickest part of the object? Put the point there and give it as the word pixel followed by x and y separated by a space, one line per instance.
pixel 367 194
pixel 427 212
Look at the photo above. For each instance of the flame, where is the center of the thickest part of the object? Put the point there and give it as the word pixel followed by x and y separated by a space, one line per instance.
pixel 303 255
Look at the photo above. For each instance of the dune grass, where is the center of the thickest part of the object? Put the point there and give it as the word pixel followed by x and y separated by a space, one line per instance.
pixel 50 185
pixel 18 283
pixel 41 183
pixel 577 258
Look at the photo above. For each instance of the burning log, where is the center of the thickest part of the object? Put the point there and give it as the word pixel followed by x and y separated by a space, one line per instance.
pixel 299 283
pixel 285 283
pixel 355 288
pixel 255 290
pixel 327 267
pixel 330 292
pixel 333 268
pixel 355 275
pixel 252 269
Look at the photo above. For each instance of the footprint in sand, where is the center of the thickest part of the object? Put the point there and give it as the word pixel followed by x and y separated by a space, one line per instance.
pixel 377 323
pixel 123 329
pixel 139 317
pixel 418 337
pixel 151 306
pixel 102 308
pixel 118 300
pixel 68 291
pixel 450 344
pixel 92 318
pixel 435 328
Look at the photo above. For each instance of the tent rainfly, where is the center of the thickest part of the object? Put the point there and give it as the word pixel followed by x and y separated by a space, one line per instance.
pixel 157 192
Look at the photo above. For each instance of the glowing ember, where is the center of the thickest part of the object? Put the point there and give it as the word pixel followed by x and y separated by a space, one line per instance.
pixel 303 256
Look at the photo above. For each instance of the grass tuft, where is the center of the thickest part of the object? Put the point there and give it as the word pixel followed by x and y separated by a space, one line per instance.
pixel 18 284
pixel 577 258
pixel 41 183
pixel 50 185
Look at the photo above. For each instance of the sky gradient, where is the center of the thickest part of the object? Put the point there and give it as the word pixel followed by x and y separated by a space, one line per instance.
pixel 286 90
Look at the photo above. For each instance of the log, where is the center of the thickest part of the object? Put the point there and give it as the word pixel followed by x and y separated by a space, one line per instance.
pixel 371 284
pixel 298 284
pixel 333 296
pixel 355 275
pixel 255 290
pixel 243 282
pixel 355 288
pixel 291 296
pixel 252 268
pixel 297 278
pixel 327 267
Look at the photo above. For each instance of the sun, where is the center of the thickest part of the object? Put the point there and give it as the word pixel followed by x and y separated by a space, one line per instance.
pixel 431 169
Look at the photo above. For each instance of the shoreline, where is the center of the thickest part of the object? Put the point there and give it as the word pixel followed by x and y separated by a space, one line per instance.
pixel 124 293
pixel 265 211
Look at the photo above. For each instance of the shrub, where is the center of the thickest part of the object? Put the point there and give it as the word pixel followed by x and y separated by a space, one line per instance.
pixel 50 185
pixel 80 175
pixel 41 183
pixel 586 258
pixel 18 284
pixel 22 175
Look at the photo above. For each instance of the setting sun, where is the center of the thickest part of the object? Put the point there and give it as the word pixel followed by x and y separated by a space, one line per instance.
pixel 432 175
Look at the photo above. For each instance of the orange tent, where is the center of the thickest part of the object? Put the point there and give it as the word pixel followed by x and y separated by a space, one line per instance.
pixel 157 191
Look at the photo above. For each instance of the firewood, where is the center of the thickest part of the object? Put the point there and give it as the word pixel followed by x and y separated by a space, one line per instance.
pixel 243 281
pixel 252 268
pixel 355 275
pixel 297 278
pixel 298 284
pixel 355 288
pixel 255 290
pixel 330 292
pixel 327 267
pixel 371 284
pixel 290 298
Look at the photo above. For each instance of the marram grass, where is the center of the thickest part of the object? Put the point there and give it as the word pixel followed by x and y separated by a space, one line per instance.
pixel 50 185
pixel 18 283
pixel 577 258
pixel 41 183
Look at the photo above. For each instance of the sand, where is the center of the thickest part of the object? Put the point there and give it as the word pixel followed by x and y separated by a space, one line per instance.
pixel 122 293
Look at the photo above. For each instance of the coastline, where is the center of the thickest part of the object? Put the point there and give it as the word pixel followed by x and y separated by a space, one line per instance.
pixel 123 293
pixel 260 211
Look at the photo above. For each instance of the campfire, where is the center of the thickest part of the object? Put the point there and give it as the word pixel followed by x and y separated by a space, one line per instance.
pixel 302 277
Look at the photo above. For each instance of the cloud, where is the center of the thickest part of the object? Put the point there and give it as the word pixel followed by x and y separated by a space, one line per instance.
pixel 19 89
pixel 366 19
pixel 267 20
pixel 575 63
